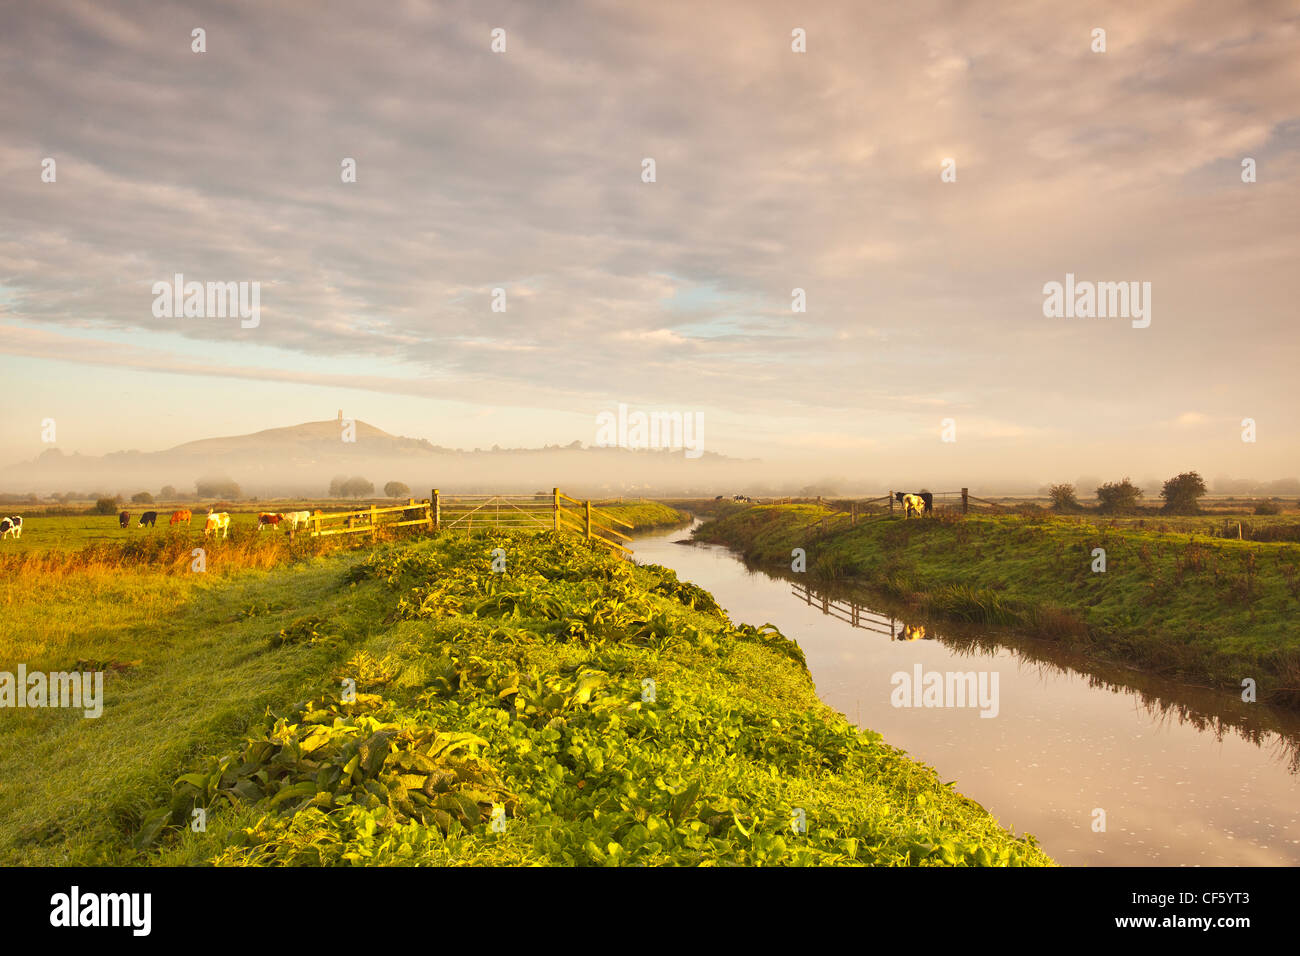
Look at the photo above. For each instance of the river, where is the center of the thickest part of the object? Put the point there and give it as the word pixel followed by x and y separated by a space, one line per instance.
pixel 1177 775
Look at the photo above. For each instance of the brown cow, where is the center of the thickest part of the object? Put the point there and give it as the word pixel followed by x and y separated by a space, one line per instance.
pixel 267 520
pixel 182 515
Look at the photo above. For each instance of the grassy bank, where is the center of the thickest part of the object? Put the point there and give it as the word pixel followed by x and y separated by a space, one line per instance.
pixel 525 689
pixel 1202 609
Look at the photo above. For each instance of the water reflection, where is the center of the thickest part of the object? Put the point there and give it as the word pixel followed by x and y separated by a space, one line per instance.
pixel 1205 709
pixel 859 615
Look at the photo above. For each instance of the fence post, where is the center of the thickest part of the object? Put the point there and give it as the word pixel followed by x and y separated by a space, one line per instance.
pixel 589 518
pixel 316 518
pixel 373 518
pixel 891 502
pixel 965 500
pixel 853 512
pixel 555 506
pixel 435 511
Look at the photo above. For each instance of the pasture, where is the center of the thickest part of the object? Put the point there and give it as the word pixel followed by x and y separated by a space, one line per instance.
pixel 45 531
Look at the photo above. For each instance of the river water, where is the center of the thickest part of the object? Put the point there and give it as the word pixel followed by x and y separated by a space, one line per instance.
pixel 1177 775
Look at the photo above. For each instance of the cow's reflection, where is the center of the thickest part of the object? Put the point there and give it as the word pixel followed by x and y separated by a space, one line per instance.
pixel 910 632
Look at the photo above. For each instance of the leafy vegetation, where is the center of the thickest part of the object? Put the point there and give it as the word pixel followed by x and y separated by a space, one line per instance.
pixel 573 709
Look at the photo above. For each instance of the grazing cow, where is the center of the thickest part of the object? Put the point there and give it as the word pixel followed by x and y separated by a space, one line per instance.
pixel 124 519
pixel 297 519
pixel 912 504
pixel 182 515
pixel 268 520
pixel 12 525
pixel 218 521
pixel 149 518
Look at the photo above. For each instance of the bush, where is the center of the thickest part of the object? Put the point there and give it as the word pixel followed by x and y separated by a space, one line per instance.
pixel 1063 497
pixel 1182 492
pixel 142 498
pixel 1118 497
pixel 357 486
pixel 216 488
pixel 106 506
pixel 1268 508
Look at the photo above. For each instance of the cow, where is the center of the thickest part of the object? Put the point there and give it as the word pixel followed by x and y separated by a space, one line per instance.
pixel 919 504
pixel 149 518
pixel 182 515
pixel 297 519
pixel 912 504
pixel 218 521
pixel 268 520
pixel 12 525
pixel 124 519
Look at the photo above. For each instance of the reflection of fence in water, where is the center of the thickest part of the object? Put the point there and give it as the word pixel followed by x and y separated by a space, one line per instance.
pixel 856 615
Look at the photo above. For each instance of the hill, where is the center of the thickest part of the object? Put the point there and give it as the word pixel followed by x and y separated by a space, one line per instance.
pixel 301 460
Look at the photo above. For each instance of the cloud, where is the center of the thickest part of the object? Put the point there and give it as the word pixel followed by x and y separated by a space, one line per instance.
pixel 775 170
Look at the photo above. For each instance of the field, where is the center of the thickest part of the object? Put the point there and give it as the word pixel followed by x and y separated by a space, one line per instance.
pixel 1204 609
pixel 522 693
pixel 47 529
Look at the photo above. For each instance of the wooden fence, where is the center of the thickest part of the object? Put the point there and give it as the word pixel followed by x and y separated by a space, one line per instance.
pixel 848 512
pixel 857 615
pixel 440 512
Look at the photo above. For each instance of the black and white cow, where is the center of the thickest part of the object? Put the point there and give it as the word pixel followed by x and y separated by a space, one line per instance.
pixel 12 525
pixel 149 518
pixel 915 503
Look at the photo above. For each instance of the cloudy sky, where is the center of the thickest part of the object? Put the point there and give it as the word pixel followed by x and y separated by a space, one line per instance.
pixel 775 170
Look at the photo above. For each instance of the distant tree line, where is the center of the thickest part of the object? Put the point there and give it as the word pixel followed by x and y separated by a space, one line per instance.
pixel 1181 495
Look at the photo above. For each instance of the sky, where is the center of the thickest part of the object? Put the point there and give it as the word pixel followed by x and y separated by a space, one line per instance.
pixel 775 170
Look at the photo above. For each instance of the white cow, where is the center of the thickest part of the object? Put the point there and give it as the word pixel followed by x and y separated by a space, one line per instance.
pixel 297 519
pixel 12 525
pixel 218 521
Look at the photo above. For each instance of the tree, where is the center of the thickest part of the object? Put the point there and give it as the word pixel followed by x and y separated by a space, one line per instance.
pixel 1064 497
pixel 1118 497
pixel 336 485
pixel 356 486
pixel 395 489
pixel 142 498
pixel 168 493
pixel 1180 493
pixel 216 488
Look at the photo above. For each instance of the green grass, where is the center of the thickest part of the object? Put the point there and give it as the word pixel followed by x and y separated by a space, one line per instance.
pixel 522 689
pixel 1210 610
pixel 42 532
